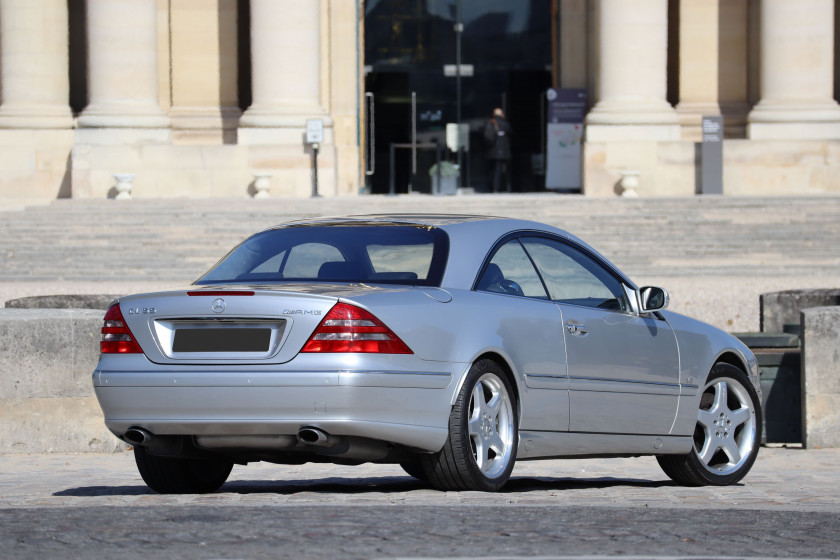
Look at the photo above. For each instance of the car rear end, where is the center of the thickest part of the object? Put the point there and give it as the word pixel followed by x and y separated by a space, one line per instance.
pixel 276 370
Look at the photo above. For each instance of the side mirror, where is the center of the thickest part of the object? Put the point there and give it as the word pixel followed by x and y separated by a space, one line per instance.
pixel 653 299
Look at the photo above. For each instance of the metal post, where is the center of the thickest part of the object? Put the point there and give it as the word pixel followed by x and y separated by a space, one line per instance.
pixel 438 166
pixel 371 136
pixel 459 28
pixel 315 171
pixel 391 178
pixel 414 133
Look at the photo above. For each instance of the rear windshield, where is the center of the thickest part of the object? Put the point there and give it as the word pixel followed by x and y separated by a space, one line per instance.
pixel 378 254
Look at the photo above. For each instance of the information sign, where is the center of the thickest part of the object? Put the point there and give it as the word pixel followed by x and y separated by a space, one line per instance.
pixel 314 131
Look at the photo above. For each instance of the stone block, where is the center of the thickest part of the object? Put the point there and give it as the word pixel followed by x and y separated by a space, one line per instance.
pixel 821 376
pixel 48 353
pixel 780 310
pixel 47 403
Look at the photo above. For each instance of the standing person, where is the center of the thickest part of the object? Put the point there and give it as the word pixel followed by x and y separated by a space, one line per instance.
pixel 497 134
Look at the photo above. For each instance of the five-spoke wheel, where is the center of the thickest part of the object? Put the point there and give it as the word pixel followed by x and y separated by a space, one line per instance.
pixel 483 434
pixel 727 433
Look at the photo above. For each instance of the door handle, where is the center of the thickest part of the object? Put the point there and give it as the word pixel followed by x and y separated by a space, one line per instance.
pixel 576 328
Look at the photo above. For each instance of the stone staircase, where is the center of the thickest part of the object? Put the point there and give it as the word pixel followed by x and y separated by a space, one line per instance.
pixel 175 240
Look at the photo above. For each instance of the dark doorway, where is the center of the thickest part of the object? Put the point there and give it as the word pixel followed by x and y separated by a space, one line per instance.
pixel 414 86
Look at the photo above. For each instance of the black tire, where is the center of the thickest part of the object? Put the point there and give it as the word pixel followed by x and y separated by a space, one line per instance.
pixel 167 475
pixel 726 436
pixel 478 454
pixel 415 469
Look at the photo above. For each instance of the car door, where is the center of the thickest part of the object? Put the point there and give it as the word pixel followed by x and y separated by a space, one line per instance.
pixel 623 367
pixel 531 333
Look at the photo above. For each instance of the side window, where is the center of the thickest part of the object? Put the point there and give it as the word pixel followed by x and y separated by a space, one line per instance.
pixel 573 277
pixel 511 272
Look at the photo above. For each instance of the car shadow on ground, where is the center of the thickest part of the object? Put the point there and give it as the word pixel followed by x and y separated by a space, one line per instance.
pixel 378 485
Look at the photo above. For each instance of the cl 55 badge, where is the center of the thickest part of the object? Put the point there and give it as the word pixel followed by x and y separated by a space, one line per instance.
pixel 142 310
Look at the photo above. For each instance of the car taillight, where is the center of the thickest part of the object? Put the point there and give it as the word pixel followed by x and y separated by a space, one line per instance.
pixel 347 328
pixel 116 337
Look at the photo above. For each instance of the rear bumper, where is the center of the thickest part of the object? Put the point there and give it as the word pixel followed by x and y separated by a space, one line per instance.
pixel 407 408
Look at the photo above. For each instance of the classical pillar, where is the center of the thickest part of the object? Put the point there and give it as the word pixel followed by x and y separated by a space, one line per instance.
pixel 573 44
pixel 204 71
pixel 797 72
pixel 711 84
pixel 34 63
pixel 698 79
pixel 122 65
pixel 632 73
pixel 285 64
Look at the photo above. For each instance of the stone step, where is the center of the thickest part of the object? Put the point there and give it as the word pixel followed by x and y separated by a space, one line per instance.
pixel 179 239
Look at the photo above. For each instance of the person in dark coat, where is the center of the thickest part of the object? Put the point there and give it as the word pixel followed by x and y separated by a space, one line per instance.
pixel 497 133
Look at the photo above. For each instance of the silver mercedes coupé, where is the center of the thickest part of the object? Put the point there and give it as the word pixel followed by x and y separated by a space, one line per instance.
pixel 451 345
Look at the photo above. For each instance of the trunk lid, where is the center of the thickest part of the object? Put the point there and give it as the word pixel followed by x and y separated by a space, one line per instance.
pixel 231 324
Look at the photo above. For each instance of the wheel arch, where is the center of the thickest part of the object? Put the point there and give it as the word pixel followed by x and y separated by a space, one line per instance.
pixel 732 359
pixel 746 364
pixel 685 419
pixel 507 369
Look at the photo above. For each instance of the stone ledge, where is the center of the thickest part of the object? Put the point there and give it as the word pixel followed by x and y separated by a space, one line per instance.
pixel 85 301
pixel 780 310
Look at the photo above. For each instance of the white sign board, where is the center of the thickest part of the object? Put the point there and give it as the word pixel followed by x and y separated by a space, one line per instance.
pixel 453 142
pixel 314 131
pixel 451 70
pixel 563 165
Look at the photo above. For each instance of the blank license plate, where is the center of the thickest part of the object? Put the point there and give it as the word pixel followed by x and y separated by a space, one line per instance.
pixel 221 340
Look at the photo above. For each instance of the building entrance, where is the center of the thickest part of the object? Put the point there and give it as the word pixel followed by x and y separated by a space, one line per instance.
pixel 416 92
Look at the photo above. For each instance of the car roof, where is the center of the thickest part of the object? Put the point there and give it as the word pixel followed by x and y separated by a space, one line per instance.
pixel 436 220
pixel 471 237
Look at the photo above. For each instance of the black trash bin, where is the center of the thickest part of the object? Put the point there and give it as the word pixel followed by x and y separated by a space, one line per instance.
pixel 779 362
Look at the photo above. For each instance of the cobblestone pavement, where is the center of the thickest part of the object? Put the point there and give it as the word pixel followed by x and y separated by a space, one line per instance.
pixel 97 506
pixel 782 480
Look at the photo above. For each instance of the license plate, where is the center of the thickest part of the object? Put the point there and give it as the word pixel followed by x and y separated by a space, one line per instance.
pixel 222 340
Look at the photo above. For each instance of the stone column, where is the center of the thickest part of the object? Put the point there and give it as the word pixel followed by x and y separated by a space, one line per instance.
pixel 204 71
pixel 285 64
pixel 797 72
pixel 711 84
pixel 573 44
pixel 632 73
pixel 122 59
pixel 34 62
pixel 698 78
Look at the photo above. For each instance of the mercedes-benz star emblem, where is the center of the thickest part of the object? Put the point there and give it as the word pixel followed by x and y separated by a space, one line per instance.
pixel 218 305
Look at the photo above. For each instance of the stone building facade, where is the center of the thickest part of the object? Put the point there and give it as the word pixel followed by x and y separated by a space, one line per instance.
pixel 197 98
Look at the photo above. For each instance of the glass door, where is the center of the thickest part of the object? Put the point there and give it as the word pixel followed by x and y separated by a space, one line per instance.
pixel 417 94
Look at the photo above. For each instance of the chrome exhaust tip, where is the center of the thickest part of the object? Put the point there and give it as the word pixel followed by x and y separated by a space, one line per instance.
pixel 137 436
pixel 316 437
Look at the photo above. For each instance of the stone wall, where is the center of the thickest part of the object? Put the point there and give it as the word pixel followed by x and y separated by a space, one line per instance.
pixel 47 402
pixel 750 167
